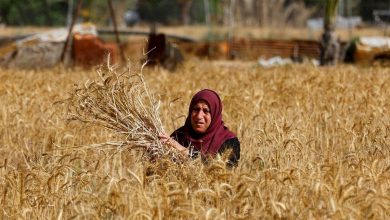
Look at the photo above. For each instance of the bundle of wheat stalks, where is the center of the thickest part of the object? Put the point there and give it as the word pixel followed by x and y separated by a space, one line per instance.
pixel 120 101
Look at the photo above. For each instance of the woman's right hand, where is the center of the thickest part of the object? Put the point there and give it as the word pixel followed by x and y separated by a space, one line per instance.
pixel 167 140
pixel 164 138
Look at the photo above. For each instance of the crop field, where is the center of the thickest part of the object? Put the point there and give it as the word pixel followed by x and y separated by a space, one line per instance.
pixel 315 144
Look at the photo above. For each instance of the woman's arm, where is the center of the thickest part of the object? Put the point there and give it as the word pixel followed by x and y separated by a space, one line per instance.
pixel 166 139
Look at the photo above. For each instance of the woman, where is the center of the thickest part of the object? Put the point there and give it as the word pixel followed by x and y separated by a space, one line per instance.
pixel 204 132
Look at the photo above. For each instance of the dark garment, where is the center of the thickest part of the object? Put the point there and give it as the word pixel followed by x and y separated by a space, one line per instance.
pixel 234 157
pixel 232 144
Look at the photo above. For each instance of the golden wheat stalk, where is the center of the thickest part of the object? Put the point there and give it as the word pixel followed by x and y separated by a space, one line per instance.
pixel 122 103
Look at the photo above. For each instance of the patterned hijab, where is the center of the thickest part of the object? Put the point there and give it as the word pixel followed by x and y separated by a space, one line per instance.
pixel 209 142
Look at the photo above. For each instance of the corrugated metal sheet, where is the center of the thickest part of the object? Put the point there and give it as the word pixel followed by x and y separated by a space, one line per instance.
pixel 253 49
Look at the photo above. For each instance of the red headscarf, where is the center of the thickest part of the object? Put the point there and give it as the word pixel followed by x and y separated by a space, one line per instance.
pixel 209 142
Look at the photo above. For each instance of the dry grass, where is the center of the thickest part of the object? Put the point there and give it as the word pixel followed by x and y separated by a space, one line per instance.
pixel 315 144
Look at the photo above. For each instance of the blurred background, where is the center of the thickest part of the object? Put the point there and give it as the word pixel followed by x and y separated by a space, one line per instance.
pixel 261 13
pixel 214 29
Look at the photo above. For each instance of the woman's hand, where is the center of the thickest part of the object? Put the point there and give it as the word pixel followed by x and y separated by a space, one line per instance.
pixel 167 140
pixel 164 138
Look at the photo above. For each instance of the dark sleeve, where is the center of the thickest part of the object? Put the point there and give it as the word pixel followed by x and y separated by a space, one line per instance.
pixel 234 157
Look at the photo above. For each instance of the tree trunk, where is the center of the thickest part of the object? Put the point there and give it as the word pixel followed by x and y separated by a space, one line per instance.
pixel 185 11
pixel 232 19
pixel 120 9
pixel 69 13
pixel 264 13
pixel 330 46
pixel 207 12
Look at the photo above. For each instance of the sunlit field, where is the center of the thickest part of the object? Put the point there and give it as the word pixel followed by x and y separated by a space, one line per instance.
pixel 315 145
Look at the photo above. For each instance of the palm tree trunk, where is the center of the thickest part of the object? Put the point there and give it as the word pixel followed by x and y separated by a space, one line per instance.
pixel 330 46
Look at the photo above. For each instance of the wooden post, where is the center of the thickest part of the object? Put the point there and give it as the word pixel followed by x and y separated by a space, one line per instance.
pixel 75 16
pixel 116 30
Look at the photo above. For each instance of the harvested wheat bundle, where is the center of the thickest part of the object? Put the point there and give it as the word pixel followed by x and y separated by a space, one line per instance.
pixel 121 102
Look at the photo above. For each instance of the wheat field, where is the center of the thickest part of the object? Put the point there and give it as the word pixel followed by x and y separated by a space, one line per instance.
pixel 315 145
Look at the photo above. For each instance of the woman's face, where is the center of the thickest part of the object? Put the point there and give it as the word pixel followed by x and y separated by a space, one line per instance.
pixel 200 117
